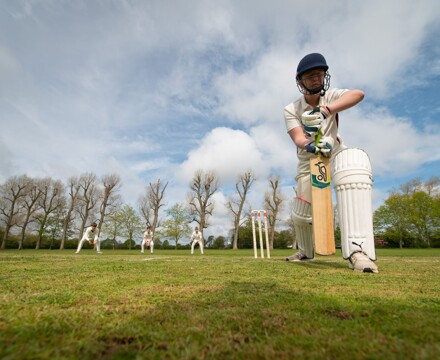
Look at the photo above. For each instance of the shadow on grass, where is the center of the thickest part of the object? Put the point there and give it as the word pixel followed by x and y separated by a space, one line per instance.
pixel 323 264
pixel 263 320
pixel 293 313
pixel 318 263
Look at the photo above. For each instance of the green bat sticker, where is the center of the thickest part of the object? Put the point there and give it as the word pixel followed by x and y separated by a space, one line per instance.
pixel 322 179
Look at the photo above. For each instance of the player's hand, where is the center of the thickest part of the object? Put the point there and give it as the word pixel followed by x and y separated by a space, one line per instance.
pixel 311 148
pixel 312 122
pixel 325 145
pixel 324 110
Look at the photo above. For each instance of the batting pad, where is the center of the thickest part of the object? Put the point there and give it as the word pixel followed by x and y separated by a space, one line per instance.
pixel 304 188
pixel 302 221
pixel 352 180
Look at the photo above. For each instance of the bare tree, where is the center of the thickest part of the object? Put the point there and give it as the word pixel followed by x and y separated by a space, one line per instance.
pixel 151 202
pixel 144 208
pixel 73 185
pixel 87 198
pixel 432 186
pixel 110 197
pixel 411 186
pixel 52 197
pixel 30 206
pixel 237 201
pixel 203 186
pixel 272 202
pixel 11 192
pixel 156 196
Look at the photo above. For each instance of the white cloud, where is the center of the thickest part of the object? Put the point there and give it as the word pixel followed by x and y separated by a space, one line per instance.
pixel 395 145
pixel 221 221
pixel 149 165
pixel 279 151
pixel 260 93
pixel 377 45
pixel 158 89
pixel 361 52
pixel 228 152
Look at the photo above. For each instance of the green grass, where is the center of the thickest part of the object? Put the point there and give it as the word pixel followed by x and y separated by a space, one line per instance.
pixel 223 305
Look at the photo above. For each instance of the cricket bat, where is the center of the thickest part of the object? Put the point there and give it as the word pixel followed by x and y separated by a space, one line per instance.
pixel 322 211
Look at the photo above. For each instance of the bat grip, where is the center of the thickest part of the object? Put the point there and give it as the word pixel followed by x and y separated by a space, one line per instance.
pixel 319 134
pixel 317 138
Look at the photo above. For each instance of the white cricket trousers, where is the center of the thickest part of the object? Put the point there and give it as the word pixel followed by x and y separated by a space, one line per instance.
pixel 145 243
pixel 81 243
pixel 200 242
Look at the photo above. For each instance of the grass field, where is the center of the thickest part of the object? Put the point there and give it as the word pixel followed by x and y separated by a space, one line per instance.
pixel 223 305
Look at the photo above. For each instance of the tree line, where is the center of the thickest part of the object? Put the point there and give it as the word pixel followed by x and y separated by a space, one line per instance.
pixel 410 216
pixel 46 208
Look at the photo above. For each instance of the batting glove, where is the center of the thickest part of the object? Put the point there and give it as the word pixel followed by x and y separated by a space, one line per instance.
pixel 325 145
pixel 311 148
pixel 324 110
pixel 311 122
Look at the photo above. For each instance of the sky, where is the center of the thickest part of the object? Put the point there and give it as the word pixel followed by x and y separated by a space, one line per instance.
pixel 160 89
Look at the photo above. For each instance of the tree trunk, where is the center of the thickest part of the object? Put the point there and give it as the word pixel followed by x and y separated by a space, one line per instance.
pixel 8 226
pixel 23 232
pixel 5 236
pixel 236 230
pixel 40 232
pixel 65 226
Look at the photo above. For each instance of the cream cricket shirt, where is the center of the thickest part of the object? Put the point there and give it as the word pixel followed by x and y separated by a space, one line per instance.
pixel 89 235
pixel 292 117
pixel 148 235
pixel 196 236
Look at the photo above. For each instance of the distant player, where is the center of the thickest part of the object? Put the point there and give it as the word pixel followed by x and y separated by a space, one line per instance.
pixel 196 237
pixel 147 240
pixel 90 235
pixel 319 109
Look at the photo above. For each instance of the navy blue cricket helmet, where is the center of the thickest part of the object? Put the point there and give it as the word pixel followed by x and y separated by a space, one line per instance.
pixel 311 62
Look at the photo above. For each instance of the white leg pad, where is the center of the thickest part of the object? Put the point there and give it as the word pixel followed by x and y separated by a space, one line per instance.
pixel 304 188
pixel 302 220
pixel 352 180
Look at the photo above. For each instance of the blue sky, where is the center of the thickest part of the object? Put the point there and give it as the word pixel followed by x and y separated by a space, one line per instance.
pixel 159 89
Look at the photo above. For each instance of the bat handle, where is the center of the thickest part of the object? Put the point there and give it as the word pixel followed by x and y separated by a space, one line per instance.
pixel 317 138
pixel 319 135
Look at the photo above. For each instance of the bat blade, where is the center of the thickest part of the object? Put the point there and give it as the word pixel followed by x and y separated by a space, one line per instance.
pixel 322 212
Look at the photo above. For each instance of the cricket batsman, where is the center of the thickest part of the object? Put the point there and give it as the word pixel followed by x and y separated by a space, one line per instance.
pixel 318 110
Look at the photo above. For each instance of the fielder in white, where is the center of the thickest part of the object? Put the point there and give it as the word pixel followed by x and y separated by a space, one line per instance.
pixel 90 235
pixel 147 240
pixel 197 237
pixel 351 169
